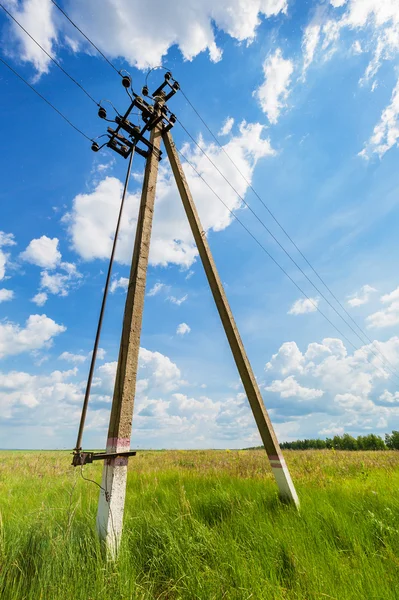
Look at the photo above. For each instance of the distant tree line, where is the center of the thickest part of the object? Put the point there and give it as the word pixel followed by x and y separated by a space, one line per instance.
pixel 347 442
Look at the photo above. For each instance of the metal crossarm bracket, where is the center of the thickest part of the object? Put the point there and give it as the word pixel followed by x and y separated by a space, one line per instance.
pixel 153 114
pixel 84 458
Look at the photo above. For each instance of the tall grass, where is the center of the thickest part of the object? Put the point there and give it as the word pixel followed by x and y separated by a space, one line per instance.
pixel 203 525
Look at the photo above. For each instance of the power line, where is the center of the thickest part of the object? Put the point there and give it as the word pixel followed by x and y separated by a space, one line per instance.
pixel 276 262
pixel 240 172
pixel 281 226
pixel 45 100
pixel 286 251
pixel 85 36
pixel 49 55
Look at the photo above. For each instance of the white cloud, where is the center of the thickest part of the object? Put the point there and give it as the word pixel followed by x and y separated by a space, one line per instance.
pixel 59 283
pixel 177 301
pixel 376 23
pixel 42 252
pixel 183 328
pixel 73 358
pixel 38 332
pixel 362 296
pixel 332 430
pixel 81 358
pixel 388 316
pixel 288 358
pixel 40 298
pixel 122 282
pixel 390 397
pixel 355 387
pixel 6 295
pixel 163 372
pixel 92 220
pixel 156 288
pixel 273 93
pixel 227 126
pixel 289 387
pixel 338 3
pixel 36 16
pixel 19 389
pixel 303 306
pixel 386 132
pixel 6 239
pixel 132 32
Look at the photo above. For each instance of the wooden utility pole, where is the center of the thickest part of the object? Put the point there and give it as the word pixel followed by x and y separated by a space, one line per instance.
pixel 265 427
pixel 112 495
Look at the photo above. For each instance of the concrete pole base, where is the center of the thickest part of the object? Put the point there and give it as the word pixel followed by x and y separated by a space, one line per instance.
pixel 112 498
pixel 286 488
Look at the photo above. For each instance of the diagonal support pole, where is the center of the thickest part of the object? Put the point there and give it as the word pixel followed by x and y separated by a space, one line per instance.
pixel 280 470
pixel 112 495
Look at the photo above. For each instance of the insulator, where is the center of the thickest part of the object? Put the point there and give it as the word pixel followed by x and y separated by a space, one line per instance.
pixel 136 129
pixel 126 81
pixel 168 75
pixel 144 91
pixel 95 147
pixel 172 119
pixel 176 86
pixel 102 113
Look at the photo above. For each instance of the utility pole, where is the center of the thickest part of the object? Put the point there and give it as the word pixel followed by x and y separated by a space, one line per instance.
pixel 112 495
pixel 158 120
pixel 265 427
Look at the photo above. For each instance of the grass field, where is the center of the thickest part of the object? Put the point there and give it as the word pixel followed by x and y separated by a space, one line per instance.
pixel 203 525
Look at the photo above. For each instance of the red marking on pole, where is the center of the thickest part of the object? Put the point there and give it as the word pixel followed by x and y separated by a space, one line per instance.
pixel 120 443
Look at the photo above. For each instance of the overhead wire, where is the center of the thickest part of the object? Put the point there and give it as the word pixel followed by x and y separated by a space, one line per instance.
pixel 55 61
pixel 275 261
pixel 102 310
pixel 85 36
pixel 285 250
pixel 380 354
pixel 279 224
pixel 45 100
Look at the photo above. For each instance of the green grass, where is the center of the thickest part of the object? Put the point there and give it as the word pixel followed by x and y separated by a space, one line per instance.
pixel 203 525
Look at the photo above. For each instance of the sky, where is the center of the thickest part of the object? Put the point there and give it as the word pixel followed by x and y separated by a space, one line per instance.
pixel 304 97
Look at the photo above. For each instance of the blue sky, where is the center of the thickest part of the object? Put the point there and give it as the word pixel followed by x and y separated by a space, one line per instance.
pixel 305 99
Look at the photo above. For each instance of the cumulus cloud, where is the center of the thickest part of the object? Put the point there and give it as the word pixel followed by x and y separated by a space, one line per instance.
pixel 73 358
pixel 131 32
pixel 273 93
pixel 40 298
pixel 355 387
pixel 362 296
pixel 37 17
pixel 91 221
pixel 122 283
pixel 289 388
pixel 303 306
pixel 59 283
pixel 38 332
pixel 183 328
pixel 42 252
pixel 388 316
pixel 6 239
pixel 6 295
